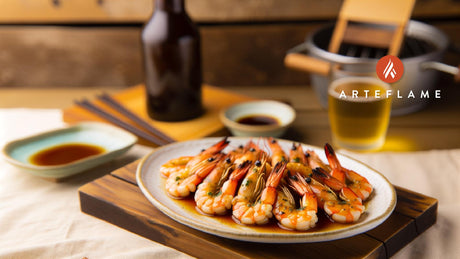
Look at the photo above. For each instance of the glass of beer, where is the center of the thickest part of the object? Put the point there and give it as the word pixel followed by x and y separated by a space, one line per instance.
pixel 359 112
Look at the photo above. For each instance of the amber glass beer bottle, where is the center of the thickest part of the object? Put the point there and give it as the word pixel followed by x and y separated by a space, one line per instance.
pixel 172 63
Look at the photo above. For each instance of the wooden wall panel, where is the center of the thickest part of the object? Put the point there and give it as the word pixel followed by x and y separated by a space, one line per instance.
pixel 301 10
pixel 252 54
pixel 69 56
pixel 235 55
pixel 96 42
pixel 74 11
pixel 91 56
pixel 204 11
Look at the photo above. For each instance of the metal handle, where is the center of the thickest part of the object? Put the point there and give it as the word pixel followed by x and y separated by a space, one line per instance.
pixel 443 68
pixel 303 62
pixel 306 63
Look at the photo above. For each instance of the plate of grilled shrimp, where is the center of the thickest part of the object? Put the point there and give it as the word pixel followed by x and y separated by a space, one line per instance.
pixel 265 189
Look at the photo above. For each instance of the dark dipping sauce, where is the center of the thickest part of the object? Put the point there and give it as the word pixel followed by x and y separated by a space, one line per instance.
pixel 258 120
pixel 65 153
pixel 324 222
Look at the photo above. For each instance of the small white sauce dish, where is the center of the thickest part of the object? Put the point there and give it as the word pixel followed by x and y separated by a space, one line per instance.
pixel 113 140
pixel 282 112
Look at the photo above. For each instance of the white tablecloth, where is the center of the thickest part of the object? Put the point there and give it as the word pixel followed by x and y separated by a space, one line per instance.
pixel 42 219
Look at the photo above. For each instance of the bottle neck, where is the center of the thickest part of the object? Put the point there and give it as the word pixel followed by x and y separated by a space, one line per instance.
pixel 176 6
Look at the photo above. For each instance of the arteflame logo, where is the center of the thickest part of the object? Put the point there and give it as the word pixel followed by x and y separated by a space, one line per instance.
pixel 389 69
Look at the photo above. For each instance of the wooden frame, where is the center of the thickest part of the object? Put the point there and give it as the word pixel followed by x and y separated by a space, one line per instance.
pixel 395 13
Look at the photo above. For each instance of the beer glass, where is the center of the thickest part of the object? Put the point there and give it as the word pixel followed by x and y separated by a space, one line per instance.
pixel 359 111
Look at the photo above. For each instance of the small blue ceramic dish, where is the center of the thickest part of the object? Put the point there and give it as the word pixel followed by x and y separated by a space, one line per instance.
pixel 111 142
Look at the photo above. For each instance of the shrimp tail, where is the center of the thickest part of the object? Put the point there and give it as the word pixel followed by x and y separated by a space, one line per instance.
pixel 314 161
pixel 240 171
pixel 277 174
pixel 336 171
pixel 322 176
pixel 357 183
pixel 331 156
pixel 203 168
pixel 347 194
pixel 299 184
pixel 269 193
pixel 219 146
pixel 251 145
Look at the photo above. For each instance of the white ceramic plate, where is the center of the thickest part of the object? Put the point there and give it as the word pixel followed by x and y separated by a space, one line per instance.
pixel 114 140
pixel 149 179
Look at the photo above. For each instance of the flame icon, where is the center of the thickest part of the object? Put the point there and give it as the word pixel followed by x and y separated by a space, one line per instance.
pixel 389 70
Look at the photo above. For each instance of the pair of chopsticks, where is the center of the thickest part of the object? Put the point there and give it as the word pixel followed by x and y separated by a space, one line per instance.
pixel 147 131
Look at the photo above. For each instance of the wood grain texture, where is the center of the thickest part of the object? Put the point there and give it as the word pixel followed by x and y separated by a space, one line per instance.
pixel 233 55
pixel 116 199
pixel 435 127
pixel 214 100
pixel 252 53
pixel 74 11
pixel 143 219
pixel 39 56
pixel 418 131
pixel 69 56
pixel 396 232
pixel 222 11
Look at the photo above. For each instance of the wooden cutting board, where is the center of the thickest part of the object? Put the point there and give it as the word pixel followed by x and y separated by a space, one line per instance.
pixel 214 100
pixel 117 199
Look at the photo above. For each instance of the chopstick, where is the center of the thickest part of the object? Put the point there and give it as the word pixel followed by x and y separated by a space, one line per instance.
pixel 107 99
pixel 103 114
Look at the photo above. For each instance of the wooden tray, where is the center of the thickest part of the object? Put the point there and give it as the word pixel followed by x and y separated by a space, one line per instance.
pixel 214 100
pixel 117 199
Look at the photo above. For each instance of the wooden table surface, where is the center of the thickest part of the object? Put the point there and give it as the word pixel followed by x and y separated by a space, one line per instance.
pixel 435 127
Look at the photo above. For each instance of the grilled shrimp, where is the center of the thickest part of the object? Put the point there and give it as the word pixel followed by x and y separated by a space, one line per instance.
pixel 250 152
pixel 174 165
pixel 357 183
pixel 209 152
pixel 304 170
pixel 347 208
pixel 314 161
pixel 215 194
pixel 296 155
pixel 278 154
pixel 268 196
pixel 298 161
pixel 254 202
pixel 181 183
pixel 323 192
pixel 302 218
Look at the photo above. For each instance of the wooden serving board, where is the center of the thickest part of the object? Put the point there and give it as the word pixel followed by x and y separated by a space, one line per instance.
pixel 214 100
pixel 117 199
